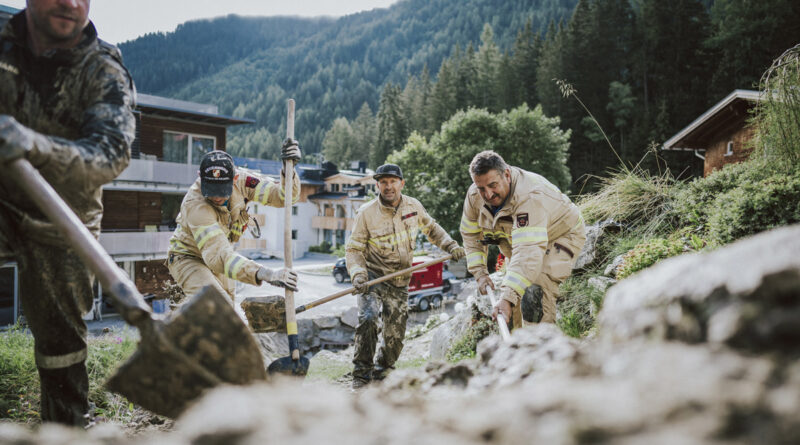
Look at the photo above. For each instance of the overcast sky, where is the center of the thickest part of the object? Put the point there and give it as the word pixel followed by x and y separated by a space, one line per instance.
pixel 121 20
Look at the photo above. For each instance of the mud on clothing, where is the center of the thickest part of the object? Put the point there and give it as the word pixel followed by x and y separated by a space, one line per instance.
pixel 540 232
pixel 79 103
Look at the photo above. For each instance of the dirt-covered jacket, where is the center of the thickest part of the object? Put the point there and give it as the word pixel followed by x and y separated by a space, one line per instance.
pixel 79 103
pixel 208 231
pixel 383 238
pixel 534 215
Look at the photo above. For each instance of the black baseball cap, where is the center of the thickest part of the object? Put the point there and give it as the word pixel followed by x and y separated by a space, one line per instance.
pixel 388 170
pixel 216 174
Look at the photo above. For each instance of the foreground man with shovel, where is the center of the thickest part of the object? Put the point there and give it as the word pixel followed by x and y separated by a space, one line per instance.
pixel 65 106
pixel 383 241
pixel 213 216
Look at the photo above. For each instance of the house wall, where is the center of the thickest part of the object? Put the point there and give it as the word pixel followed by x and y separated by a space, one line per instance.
pixel 123 210
pixel 151 133
pixel 715 154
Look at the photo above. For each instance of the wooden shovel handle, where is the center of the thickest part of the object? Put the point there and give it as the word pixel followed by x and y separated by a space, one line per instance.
pixel 291 317
pixel 350 290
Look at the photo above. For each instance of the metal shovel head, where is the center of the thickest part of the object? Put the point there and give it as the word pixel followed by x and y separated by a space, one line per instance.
pixel 287 366
pixel 265 314
pixel 199 346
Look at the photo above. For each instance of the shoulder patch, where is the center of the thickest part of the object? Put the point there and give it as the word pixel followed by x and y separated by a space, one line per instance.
pixel 251 182
pixel 522 219
pixel 408 215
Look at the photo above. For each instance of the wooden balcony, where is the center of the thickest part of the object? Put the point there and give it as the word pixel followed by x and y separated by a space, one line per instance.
pixel 331 223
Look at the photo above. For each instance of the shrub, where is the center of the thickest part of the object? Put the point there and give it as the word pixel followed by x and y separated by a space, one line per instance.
pixel 324 247
pixel 578 304
pixel 647 254
pixel 465 347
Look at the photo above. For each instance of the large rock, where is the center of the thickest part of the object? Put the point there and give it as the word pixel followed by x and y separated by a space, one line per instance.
pixel 594 233
pixel 447 333
pixel 745 295
pixel 350 317
pixel 265 314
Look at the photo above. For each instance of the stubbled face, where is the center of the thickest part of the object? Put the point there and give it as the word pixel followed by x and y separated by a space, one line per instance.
pixel 390 188
pixel 493 186
pixel 57 23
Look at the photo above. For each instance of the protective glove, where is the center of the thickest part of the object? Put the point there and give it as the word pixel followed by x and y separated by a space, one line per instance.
pixel 359 283
pixel 457 252
pixel 484 283
pixel 278 277
pixel 16 140
pixel 290 150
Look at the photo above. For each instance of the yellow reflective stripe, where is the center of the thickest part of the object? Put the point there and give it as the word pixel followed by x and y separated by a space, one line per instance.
pixel 476 259
pixel 233 264
pixel 468 226
pixel 282 195
pixel 205 233
pixel 355 245
pixel 389 240
pixel 176 245
pixel 291 328
pixel 237 228
pixel 498 234
pixel 528 235
pixel 516 281
pixel 262 191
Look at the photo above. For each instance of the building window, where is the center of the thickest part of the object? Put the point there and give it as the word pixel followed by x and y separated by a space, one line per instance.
pixel 294 210
pixel 185 148
pixel 294 234
pixel 729 151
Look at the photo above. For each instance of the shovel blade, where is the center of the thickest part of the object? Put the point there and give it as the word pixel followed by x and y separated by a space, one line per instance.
pixel 287 366
pixel 265 314
pixel 199 346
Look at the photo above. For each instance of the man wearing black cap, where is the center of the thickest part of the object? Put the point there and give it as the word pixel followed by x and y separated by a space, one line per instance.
pixel 382 242
pixel 212 218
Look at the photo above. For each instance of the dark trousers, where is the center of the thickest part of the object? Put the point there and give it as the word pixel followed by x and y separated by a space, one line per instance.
pixel 391 304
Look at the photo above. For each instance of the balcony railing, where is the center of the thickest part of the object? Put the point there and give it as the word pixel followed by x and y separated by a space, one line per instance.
pixel 331 223
pixel 154 175
pixel 136 244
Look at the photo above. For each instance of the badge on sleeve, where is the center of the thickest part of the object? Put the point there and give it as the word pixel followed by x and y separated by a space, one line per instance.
pixel 251 182
pixel 522 219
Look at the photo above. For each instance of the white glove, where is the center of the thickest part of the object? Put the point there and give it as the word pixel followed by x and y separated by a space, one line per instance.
pixel 278 277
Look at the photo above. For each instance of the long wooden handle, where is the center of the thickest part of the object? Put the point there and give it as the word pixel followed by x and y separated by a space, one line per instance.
pixel 291 317
pixel 126 297
pixel 350 290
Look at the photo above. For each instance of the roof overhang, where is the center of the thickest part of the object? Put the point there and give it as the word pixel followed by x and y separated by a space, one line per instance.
pixel 184 110
pixel 731 110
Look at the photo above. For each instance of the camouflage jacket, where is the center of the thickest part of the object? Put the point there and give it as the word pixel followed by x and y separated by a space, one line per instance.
pixel 535 214
pixel 79 102
pixel 384 238
pixel 208 231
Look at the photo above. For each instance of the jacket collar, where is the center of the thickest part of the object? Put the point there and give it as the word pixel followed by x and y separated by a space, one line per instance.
pixel 386 208
pixel 16 32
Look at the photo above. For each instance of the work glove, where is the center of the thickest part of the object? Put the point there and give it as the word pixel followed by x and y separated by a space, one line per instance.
pixel 360 283
pixel 290 150
pixel 484 283
pixel 16 140
pixel 278 277
pixel 457 252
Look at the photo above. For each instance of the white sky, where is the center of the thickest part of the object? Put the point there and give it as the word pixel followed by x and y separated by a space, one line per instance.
pixel 121 20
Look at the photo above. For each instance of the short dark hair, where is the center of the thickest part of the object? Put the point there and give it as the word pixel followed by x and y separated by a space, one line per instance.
pixel 486 161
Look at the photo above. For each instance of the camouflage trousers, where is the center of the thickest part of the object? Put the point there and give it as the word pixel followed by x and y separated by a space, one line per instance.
pixel 391 304
pixel 55 291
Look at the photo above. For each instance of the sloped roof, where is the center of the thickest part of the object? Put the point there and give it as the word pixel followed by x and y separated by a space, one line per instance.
pixel 273 168
pixel 182 109
pixel 730 110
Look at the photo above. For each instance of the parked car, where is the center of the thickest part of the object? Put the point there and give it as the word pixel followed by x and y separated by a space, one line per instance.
pixel 427 288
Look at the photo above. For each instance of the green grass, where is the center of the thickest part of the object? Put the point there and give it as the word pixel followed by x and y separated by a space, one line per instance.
pixel 19 379
pixel 324 369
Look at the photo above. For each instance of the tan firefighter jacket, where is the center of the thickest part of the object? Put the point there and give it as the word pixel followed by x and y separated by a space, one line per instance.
pixel 207 231
pixel 534 215
pixel 384 238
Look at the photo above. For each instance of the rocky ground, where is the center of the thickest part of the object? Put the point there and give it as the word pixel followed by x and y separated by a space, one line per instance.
pixel 700 348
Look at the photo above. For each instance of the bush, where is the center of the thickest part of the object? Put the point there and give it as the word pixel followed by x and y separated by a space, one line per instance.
pixel 755 207
pixel 465 347
pixel 647 254
pixel 324 247
pixel 578 305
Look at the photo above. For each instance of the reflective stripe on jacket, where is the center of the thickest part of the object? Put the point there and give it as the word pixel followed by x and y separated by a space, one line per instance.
pixel 207 231
pixel 384 238
pixel 535 214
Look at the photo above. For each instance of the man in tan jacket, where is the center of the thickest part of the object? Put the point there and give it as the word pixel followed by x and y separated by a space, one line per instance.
pixel 382 242
pixel 212 218
pixel 536 227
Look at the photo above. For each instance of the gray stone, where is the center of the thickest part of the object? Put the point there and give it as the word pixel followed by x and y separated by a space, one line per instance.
pixel 273 345
pixel 339 335
pixel 326 322
pixel 744 295
pixel 601 283
pixel 594 233
pixel 265 314
pixel 532 304
pixel 611 269
pixel 350 317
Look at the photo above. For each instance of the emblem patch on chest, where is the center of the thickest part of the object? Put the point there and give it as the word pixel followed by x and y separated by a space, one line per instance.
pixel 522 219
pixel 251 182
pixel 408 215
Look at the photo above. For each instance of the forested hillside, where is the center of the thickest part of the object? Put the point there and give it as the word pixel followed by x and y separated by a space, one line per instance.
pixel 365 82
pixel 250 66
